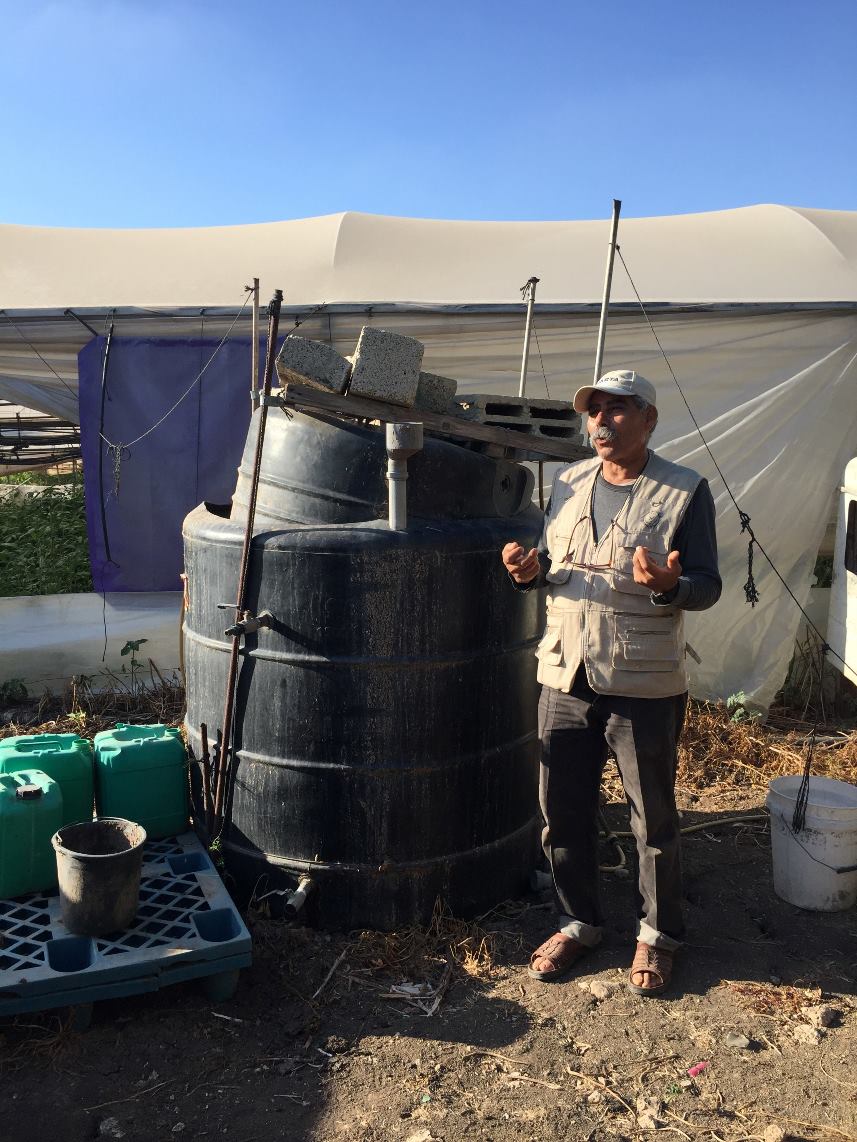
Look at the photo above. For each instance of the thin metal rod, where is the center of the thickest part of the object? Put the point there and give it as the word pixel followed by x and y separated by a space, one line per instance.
pixel 206 778
pixel 608 279
pixel 529 291
pixel 229 699
pixel 254 350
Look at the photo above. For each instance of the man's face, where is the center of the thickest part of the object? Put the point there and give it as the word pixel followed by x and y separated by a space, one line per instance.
pixel 619 430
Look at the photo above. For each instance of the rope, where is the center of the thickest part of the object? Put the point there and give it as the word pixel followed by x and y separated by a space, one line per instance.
pixel 799 815
pixel 118 447
pixel 750 590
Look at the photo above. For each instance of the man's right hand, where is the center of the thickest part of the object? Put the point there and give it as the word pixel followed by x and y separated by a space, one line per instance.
pixel 522 565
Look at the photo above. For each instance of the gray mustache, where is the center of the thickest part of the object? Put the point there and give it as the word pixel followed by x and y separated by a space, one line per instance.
pixel 603 433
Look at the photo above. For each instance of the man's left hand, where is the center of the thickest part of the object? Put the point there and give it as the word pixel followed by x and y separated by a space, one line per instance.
pixel 649 574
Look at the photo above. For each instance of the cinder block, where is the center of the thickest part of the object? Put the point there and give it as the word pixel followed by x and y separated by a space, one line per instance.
pixel 386 367
pixel 313 363
pixel 533 415
pixel 434 393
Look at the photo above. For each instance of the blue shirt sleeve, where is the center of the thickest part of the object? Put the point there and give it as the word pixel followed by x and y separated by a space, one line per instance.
pixel 695 541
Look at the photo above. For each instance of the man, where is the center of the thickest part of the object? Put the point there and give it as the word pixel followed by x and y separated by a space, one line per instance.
pixel 628 545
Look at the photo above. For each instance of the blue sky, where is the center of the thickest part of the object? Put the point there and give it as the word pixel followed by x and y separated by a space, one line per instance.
pixel 190 113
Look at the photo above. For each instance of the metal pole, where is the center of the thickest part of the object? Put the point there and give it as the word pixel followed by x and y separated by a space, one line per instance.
pixel 220 790
pixel 608 278
pixel 529 291
pixel 254 350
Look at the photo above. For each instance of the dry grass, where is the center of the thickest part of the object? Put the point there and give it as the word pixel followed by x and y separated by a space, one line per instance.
pixel 719 757
pixel 776 1000
pixel 85 711
pixel 414 951
pixel 717 751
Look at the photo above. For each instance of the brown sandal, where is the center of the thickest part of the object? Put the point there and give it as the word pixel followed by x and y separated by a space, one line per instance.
pixel 654 961
pixel 562 951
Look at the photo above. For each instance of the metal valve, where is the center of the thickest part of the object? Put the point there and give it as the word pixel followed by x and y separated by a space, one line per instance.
pixel 248 623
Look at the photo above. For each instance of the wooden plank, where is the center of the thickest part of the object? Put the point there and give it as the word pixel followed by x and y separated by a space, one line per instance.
pixel 319 400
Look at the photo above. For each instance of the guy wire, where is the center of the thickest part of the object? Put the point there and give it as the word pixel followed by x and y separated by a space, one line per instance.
pixel 541 362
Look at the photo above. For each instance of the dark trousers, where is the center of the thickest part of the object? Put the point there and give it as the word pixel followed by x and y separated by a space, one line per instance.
pixel 576 730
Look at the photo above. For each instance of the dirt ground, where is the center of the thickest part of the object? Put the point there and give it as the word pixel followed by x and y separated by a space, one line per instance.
pixel 440 1035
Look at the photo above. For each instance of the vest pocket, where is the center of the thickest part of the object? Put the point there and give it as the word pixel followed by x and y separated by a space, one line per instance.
pixel 645 644
pixel 549 650
pixel 623 561
pixel 559 571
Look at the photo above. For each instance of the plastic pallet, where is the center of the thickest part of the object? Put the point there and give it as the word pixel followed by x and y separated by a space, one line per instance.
pixel 186 927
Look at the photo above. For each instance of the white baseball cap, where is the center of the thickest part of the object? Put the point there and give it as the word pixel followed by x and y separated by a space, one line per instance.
pixel 622 382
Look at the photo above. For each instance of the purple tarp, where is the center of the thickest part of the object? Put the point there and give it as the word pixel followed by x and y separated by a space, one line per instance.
pixel 192 456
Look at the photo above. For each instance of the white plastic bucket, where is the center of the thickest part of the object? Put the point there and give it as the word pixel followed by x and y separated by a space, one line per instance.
pixel 805 863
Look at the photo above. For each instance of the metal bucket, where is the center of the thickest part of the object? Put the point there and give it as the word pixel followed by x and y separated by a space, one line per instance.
pixel 98 867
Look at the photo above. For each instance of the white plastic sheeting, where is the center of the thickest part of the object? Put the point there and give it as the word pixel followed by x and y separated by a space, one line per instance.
pixel 49 638
pixel 842 627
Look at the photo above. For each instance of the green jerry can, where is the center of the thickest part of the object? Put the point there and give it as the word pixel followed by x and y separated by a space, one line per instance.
pixel 141 775
pixel 67 758
pixel 30 813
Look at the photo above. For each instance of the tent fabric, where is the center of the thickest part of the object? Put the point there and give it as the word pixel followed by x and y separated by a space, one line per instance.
pixel 134 524
pixel 754 254
pixel 773 396
pixel 190 282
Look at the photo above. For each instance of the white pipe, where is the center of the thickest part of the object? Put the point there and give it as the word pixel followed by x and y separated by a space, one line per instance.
pixel 397 474
pixel 608 278
pixel 403 440
pixel 298 898
pixel 530 290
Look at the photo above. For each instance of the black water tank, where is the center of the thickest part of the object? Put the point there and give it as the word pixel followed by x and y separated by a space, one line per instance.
pixel 385 728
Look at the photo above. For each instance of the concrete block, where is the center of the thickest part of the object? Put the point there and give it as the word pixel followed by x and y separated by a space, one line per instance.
pixel 434 393
pixel 386 367
pixel 532 415
pixel 312 363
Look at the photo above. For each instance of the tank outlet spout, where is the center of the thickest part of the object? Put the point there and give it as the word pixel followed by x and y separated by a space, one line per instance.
pixel 403 440
pixel 248 623
pixel 297 899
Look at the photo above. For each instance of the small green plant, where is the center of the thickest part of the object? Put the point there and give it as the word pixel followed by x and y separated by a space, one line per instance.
pixel 131 647
pixel 823 571
pixel 78 720
pixel 739 709
pixel 673 1090
pixel 215 851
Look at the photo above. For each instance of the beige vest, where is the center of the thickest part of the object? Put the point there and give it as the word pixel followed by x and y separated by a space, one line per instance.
pixel 602 618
